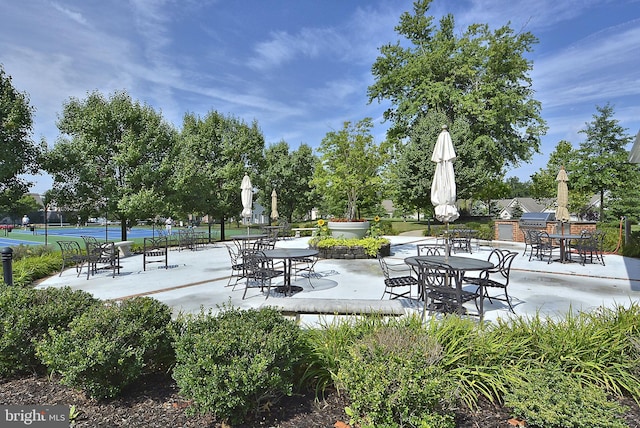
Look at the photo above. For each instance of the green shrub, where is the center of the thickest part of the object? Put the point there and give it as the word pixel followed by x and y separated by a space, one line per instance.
pixel 371 245
pixel 393 379
pixel 632 247
pixel 485 230
pixel 233 364
pixel 28 269
pixel 24 251
pixel 549 397
pixel 325 345
pixel 596 346
pixel 109 347
pixel 26 315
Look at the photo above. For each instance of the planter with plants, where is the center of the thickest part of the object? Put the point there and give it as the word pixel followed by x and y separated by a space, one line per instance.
pixel 330 247
pixel 349 172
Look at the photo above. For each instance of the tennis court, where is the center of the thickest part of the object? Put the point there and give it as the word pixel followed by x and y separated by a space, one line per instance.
pixel 102 233
pixel 9 242
pixel 18 236
pixel 113 233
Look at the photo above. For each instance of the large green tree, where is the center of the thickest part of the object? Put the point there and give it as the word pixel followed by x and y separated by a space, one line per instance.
pixel 480 76
pixel 350 168
pixel 290 175
pixel 114 156
pixel 213 154
pixel 412 169
pixel 544 184
pixel 19 154
pixel 602 160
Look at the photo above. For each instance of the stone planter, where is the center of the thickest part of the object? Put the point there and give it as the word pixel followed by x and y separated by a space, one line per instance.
pixel 341 252
pixel 348 229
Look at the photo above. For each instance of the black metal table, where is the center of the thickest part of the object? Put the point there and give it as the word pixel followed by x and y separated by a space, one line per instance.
pixel 287 255
pixel 459 265
pixel 245 240
pixel 564 239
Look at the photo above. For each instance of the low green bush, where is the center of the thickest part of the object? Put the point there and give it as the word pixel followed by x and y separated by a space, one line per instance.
pixel 485 230
pixel 24 251
pixel 110 346
pixel 26 315
pixel 549 397
pixel 28 269
pixel 632 247
pixel 393 379
pixel 596 346
pixel 233 364
pixel 325 345
pixel 371 245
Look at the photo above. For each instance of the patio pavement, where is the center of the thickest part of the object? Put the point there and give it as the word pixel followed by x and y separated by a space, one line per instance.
pixel 197 279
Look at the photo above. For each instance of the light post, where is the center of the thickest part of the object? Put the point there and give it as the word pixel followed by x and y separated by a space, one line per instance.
pixel 46 227
pixel 106 220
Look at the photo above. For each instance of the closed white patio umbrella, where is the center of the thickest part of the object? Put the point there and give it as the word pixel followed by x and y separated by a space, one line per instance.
pixel 562 212
pixel 247 199
pixel 443 187
pixel 274 205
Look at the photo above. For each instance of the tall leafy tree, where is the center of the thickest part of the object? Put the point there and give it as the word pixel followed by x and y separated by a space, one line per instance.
pixel 113 157
pixel 213 154
pixel 350 168
pixel 412 168
pixel 602 165
pixel 481 76
pixel 544 183
pixel 19 154
pixel 518 189
pixel 290 174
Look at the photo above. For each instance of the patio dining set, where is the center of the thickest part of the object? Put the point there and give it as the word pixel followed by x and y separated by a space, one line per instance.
pixel 256 263
pixel 443 283
pixel 105 255
pixel 586 247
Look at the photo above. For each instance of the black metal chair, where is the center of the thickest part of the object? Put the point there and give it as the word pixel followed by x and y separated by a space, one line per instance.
pixel 187 240
pixel 237 267
pixel 71 254
pixel 155 250
pixel 439 289
pixel 397 286
pixel 590 246
pixel 542 246
pixel 497 277
pixel 258 271
pixel 461 241
pixel 431 249
pixel 528 240
pixel 304 267
pixel 102 253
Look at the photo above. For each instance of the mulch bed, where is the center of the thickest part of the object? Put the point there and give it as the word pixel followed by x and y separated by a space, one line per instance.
pixel 154 402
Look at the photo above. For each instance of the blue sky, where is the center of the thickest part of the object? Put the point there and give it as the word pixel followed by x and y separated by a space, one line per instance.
pixel 301 67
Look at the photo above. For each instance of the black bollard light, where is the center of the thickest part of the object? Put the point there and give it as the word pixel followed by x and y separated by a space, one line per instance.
pixel 7 269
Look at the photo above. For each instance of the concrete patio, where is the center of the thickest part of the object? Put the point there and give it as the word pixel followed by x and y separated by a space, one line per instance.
pixel 198 279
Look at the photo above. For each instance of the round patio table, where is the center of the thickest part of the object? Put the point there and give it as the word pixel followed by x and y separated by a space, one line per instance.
pixel 564 240
pixel 287 255
pixel 459 265
pixel 246 239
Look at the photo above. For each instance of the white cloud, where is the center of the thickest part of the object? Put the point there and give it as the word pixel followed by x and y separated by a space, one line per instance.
pixel 75 16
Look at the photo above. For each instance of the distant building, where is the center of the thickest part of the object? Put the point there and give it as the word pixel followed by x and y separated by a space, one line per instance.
pixel 507 207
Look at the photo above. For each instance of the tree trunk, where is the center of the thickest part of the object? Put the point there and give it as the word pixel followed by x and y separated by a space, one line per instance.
pixel 601 206
pixel 222 228
pixel 123 228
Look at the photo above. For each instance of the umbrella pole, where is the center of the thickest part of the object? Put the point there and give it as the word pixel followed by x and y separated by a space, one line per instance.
pixel 447 243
